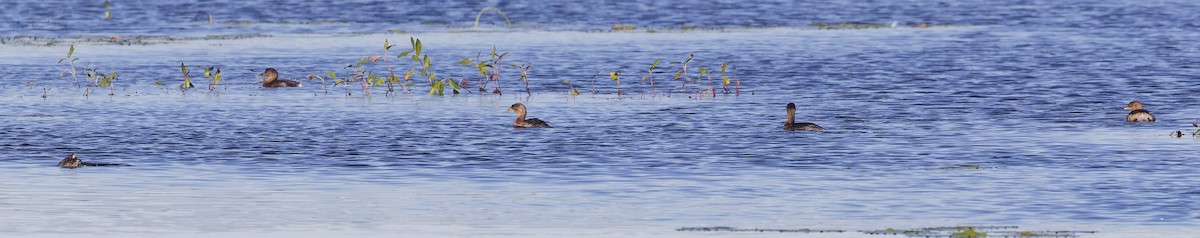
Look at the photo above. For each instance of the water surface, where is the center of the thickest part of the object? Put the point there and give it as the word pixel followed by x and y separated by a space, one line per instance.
pixel 1007 118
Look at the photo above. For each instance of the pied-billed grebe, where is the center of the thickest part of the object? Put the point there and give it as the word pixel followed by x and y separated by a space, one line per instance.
pixel 1138 114
pixel 791 124
pixel 271 80
pixel 70 162
pixel 525 123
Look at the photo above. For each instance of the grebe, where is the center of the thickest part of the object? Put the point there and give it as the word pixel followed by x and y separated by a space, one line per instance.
pixel 70 162
pixel 525 123
pixel 791 124
pixel 1138 114
pixel 271 80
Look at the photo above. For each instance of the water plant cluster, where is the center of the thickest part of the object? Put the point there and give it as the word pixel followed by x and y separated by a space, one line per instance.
pixel 487 73
pixel 947 231
pixel 93 76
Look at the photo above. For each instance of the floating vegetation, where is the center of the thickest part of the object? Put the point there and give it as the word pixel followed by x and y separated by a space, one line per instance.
pixel 950 231
pixel 116 39
pixel 623 28
pixel 735 229
pixel 974 232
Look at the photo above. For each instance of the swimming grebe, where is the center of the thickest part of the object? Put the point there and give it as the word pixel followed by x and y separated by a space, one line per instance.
pixel 525 123
pixel 271 80
pixel 1138 114
pixel 791 124
pixel 70 162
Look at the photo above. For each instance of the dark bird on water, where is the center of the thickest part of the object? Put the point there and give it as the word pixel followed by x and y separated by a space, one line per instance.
pixel 525 123
pixel 792 125
pixel 271 80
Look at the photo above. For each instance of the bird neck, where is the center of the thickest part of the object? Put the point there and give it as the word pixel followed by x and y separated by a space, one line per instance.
pixel 520 117
pixel 791 117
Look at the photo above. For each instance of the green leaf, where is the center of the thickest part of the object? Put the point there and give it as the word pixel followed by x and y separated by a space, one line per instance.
pixel 653 65
pixel 427 64
pixel 386 45
pixel 703 70
pixel 726 80
pixel 417 47
pixel 339 81
pixel 405 53
pixel 217 77
pixel 183 68
pixel 465 62
pixel 723 68
pixel 364 60
pixel 331 74
pixel 614 75
pixel 70 52
pixel 410 72
pixel 437 88
pixel 453 84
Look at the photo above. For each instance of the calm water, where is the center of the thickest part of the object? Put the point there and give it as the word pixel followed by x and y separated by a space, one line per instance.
pixel 1026 95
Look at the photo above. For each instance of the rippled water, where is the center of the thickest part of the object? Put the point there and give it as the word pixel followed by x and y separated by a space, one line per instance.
pixel 1010 115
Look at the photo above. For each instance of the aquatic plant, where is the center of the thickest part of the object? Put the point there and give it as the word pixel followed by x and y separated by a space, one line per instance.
pixel 436 87
pixel 481 68
pixel 392 79
pixel 623 28
pixel 104 80
pixel 107 13
pixel 70 62
pixel 573 91
pixel 187 82
pixel 681 75
pixel 331 75
pixel 360 75
pixel 704 72
pixel 94 78
pixel 616 76
pixel 725 82
pixel 214 77
pixel 480 14
pixel 524 68
pixel 650 77
pixel 489 70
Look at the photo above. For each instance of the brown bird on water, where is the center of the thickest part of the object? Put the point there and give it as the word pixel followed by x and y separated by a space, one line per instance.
pixel 70 162
pixel 271 80
pixel 791 124
pixel 1137 114
pixel 525 123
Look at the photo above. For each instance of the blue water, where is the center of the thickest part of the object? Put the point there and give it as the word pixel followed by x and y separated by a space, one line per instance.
pixel 1005 113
